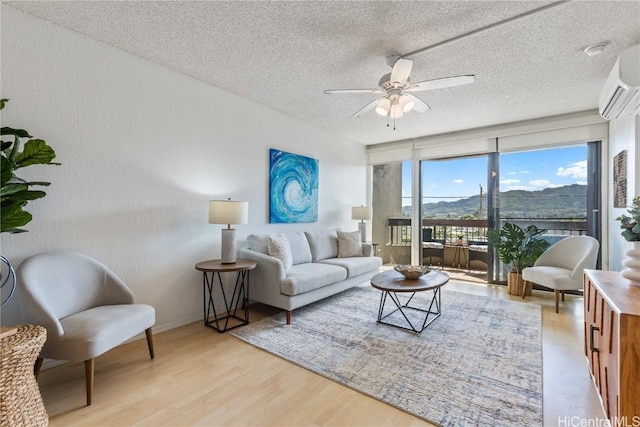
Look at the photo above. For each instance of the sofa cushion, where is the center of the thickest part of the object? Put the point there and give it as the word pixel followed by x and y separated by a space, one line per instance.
pixel 299 247
pixel 303 278
pixel 432 245
pixel 259 243
pixel 479 248
pixel 349 244
pixel 279 248
pixel 323 244
pixel 355 266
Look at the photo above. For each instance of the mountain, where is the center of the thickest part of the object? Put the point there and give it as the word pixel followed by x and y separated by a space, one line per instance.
pixel 569 201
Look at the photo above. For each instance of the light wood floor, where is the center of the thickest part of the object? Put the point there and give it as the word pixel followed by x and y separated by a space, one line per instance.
pixel 200 377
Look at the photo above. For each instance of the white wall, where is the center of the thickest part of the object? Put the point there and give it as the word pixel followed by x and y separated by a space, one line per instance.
pixel 624 134
pixel 143 148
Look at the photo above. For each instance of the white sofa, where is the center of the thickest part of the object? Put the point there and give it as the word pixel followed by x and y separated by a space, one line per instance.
pixel 316 272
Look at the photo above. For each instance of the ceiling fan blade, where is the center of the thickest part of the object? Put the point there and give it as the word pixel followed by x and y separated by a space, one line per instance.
pixel 367 107
pixel 401 70
pixel 331 91
pixel 420 106
pixel 441 83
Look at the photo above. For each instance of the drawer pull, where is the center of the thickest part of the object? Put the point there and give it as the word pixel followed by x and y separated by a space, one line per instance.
pixel 591 331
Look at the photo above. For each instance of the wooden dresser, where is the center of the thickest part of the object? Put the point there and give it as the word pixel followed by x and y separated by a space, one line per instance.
pixel 612 342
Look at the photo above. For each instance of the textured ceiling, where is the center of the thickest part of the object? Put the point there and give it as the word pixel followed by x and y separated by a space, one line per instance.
pixel 285 54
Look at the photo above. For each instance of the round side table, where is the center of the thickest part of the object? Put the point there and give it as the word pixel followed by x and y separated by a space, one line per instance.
pixel 20 400
pixel 212 270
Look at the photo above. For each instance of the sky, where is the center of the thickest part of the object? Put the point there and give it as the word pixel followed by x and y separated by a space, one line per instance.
pixel 455 179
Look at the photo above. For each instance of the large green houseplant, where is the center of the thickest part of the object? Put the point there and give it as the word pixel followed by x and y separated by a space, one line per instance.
pixel 16 192
pixel 518 247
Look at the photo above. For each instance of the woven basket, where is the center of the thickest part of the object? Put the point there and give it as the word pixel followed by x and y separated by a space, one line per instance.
pixel 516 285
pixel 20 399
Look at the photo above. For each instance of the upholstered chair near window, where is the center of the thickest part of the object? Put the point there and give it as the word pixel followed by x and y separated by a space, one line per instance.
pixel 478 251
pixel 561 266
pixel 431 248
pixel 86 309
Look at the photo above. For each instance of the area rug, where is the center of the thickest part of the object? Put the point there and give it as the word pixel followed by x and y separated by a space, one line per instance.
pixel 479 363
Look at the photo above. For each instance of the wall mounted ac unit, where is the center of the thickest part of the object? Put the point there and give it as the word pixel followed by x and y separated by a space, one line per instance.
pixel 620 95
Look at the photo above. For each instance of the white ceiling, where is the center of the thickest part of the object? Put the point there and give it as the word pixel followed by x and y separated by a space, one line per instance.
pixel 285 54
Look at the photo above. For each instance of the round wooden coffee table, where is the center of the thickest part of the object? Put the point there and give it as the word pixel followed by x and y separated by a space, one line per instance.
pixel 391 283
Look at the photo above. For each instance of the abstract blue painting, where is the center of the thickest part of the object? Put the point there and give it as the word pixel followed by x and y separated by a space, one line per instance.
pixel 293 188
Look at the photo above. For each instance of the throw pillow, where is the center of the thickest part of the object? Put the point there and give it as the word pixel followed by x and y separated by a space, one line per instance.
pixel 349 244
pixel 279 248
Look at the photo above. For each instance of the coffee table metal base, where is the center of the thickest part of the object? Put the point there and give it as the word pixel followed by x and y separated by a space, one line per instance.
pixel 431 314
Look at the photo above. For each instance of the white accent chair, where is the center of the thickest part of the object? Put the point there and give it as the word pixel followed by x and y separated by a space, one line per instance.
pixel 86 309
pixel 561 266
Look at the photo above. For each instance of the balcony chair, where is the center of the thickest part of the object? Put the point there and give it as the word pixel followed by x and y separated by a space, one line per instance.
pixel 86 309
pixel 432 248
pixel 478 251
pixel 561 266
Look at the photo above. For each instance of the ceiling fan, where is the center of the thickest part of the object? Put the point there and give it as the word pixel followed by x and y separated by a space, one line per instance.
pixel 396 89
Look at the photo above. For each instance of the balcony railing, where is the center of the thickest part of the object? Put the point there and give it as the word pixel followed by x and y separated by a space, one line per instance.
pixel 449 230
pixel 438 229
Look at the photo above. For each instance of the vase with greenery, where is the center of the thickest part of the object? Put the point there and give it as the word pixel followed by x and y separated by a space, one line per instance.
pixel 518 247
pixel 630 226
pixel 16 192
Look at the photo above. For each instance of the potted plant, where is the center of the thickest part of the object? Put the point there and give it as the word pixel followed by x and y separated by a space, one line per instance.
pixel 15 192
pixel 519 248
pixel 630 226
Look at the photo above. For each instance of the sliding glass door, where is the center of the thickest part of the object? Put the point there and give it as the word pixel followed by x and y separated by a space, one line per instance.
pixel 547 188
pixel 455 206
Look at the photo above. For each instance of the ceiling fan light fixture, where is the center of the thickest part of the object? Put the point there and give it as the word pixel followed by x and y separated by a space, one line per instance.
pixel 383 107
pixel 406 103
pixel 396 112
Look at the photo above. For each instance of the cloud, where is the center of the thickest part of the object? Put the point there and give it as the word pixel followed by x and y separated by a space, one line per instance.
pixel 520 187
pixel 509 181
pixel 525 171
pixel 544 183
pixel 458 181
pixel 577 170
pixel 512 173
pixel 581 182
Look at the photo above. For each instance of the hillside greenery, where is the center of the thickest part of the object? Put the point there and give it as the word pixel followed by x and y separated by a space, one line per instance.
pixel 569 201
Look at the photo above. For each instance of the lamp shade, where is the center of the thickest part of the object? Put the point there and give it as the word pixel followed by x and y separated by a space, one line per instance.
pixel 361 212
pixel 383 106
pixel 228 212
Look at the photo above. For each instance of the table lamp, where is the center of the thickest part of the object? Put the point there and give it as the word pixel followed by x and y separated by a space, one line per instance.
pixel 362 213
pixel 228 212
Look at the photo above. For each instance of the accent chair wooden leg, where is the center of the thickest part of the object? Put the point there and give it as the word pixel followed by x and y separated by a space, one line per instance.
pixel 557 299
pixel 562 296
pixel 288 317
pixel 88 369
pixel 150 342
pixel 37 367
